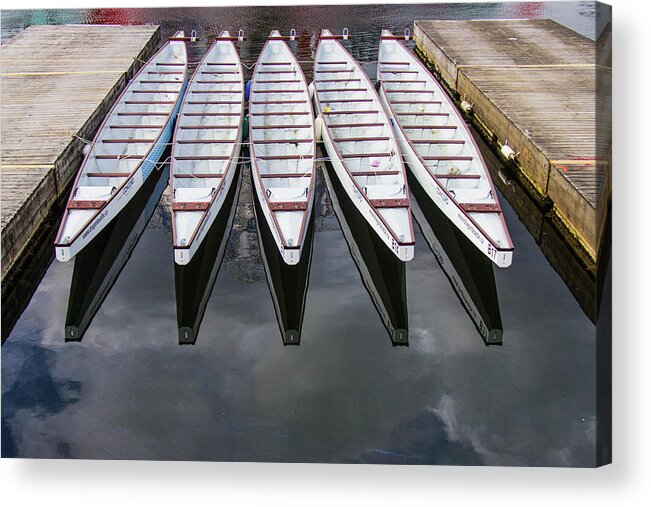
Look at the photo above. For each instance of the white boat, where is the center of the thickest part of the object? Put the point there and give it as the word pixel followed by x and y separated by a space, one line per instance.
pixel 283 145
pixel 126 148
pixel 440 150
pixel 361 145
pixel 206 146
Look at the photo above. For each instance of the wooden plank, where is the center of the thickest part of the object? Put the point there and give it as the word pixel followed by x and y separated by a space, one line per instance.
pixel 353 125
pixel 343 101
pixel 365 155
pixel 198 175
pixel 56 81
pixel 480 207
pixel 426 126
pixel 281 127
pixel 85 204
pixel 205 141
pixel 355 139
pixel 437 141
pixel 375 173
pixel 203 157
pixel 447 157
pixel 285 175
pixel 207 127
pixel 457 176
pixel 283 157
pixel 119 157
pixel 108 175
pixel 281 141
pixel 352 111
pixel 534 83
pixel 389 203
pixel 190 206
pixel 288 206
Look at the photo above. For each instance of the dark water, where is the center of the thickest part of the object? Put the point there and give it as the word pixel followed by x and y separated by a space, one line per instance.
pixel 348 393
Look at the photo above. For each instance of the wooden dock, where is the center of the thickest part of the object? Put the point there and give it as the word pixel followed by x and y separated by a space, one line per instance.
pixel 533 83
pixel 57 82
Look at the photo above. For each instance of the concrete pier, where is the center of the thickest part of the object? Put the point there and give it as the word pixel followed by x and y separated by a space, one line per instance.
pixel 533 84
pixel 57 82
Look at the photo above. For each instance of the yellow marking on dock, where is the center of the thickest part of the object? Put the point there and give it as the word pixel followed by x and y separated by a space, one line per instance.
pixel 77 72
pixel 532 66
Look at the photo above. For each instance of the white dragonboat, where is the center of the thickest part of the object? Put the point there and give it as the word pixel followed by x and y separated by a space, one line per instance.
pixel 361 145
pixel 440 150
pixel 126 148
pixel 206 146
pixel 283 145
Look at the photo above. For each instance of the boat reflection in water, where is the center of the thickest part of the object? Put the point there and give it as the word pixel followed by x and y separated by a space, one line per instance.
pixel 469 271
pixel 383 274
pixel 287 283
pixel 194 281
pixel 98 266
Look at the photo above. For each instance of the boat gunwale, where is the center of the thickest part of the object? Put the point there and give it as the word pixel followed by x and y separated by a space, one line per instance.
pixel 254 165
pixel 227 169
pixel 510 247
pixel 118 101
pixel 351 175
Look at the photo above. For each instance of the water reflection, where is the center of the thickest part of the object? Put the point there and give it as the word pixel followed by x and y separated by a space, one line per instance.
pixel 382 272
pixel 98 266
pixel 470 272
pixel 350 397
pixel 194 282
pixel 288 284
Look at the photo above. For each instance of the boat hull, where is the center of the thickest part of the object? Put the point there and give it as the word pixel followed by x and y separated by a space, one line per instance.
pixel 501 258
pixel 65 252
pixel 403 252
pixel 291 256
pixel 183 255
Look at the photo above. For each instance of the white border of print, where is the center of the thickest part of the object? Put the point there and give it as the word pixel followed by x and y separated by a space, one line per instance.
pixel 626 482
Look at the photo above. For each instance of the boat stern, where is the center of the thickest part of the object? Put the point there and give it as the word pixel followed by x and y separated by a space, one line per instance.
pixel 405 252
pixel 291 337
pixel 502 258
pixel 291 256
pixel 187 336
pixel 182 256
pixel 73 334
pixel 400 337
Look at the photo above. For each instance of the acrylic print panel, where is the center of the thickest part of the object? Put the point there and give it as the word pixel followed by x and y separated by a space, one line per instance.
pixel 459 150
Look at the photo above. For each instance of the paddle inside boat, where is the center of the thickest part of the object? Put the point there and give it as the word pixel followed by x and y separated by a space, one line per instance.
pixel 361 145
pixel 126 148
pixel 206 146
pixel 282 145
pixel 440 149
